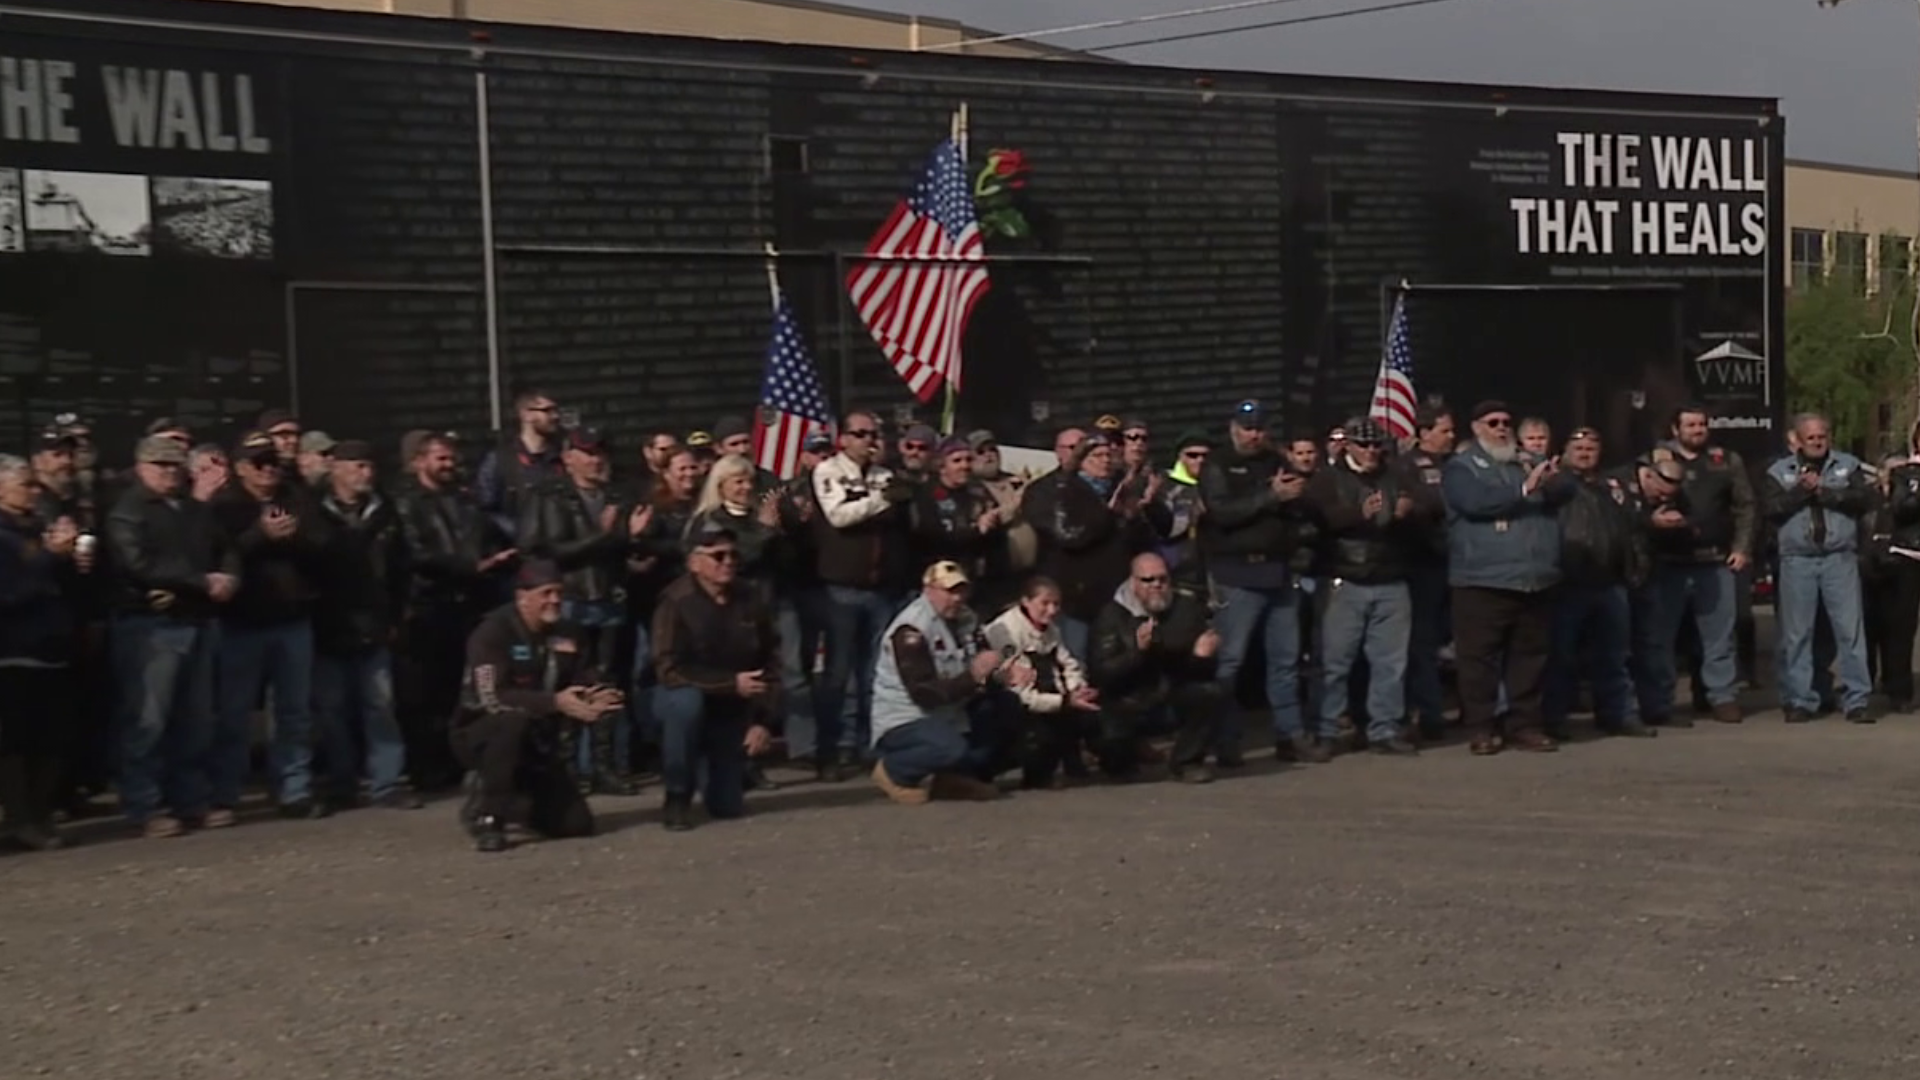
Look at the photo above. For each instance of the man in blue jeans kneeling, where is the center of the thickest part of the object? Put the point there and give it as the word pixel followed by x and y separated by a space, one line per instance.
pixel 717 656
pixel 940 723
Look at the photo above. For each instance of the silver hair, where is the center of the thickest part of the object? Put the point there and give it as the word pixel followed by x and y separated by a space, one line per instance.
pixel 199 454
pixel 12 467
pixel 1801 420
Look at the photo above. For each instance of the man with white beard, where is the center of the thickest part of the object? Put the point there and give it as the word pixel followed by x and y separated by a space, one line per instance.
pixel 1503 541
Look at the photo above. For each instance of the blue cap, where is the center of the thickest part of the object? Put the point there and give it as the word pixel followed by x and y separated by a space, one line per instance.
pixel 818 443
pixel 1249 415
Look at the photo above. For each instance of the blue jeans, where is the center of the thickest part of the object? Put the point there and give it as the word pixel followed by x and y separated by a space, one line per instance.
pixel 353 707
pixel 1599 615
pixel 1808 584
pixel 639 718
pixel 701 736
pixel 164 669
pixel 279 657
pixel 1706 589
pixel 1077 636
pixel 855 620
pixel 802 624
pixel 1375 620
pixel 912 752
pixel 1239 618
pixel 1427 588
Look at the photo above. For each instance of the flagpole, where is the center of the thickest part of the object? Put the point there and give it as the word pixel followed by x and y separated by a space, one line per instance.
pixel 773 274
pixel 957 130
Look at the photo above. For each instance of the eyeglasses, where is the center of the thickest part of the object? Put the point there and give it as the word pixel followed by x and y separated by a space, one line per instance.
pixel 1497 421
pixel 920 448
pixel 1135 436
pixel 859 433
pixel 1364 445
pixel 725 555
pixel 1194 455
pixel 1151 579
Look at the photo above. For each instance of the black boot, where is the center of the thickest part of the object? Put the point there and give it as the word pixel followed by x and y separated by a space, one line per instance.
pixel 26 786
pixel 758 780
pixel 606 777
pixel 489 834
pixel 677 813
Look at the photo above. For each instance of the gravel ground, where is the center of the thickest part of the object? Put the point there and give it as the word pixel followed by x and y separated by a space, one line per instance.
pixel 1718 902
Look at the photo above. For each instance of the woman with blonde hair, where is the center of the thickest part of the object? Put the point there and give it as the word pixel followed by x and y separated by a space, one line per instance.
pixel 728 501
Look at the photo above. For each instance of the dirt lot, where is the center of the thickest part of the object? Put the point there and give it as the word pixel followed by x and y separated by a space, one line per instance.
pixel 1717 902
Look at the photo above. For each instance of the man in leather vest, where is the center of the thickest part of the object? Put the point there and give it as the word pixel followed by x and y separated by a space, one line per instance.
pixel 1247 536
pixel 1372 516
pixel 455 558
pixel 1434 438
pixel 938 731
pixel 1596 557
pixel 526 675
pixel 524 459
pixel 1701 575
pixel 586 528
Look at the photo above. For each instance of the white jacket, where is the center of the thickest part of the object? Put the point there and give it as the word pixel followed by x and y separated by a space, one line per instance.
pixel 1045 650
pixel 849 494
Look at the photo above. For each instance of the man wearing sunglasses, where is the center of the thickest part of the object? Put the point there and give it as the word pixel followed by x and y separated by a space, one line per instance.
pixel 1174 513
pixel 1503 541
pixel 266 633
pixel 862 560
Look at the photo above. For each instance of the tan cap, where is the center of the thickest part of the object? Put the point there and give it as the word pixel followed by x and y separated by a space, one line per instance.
pixel 160 450
pixel 945 574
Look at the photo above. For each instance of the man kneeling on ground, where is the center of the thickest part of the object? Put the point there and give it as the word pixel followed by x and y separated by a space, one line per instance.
pixel 718 658
pixel 1154 658
pixel 939 720
pixel 526 678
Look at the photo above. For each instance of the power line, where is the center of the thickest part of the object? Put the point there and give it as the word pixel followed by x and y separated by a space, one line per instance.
pixel 1108 24
pixel 1296 21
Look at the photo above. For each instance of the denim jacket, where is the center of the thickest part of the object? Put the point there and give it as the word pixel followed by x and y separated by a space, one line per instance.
pixel 1826 519
pixel 1498 538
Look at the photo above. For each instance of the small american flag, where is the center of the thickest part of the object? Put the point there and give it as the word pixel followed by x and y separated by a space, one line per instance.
pixel 1394 402
pixel 792 405
pixel 916 297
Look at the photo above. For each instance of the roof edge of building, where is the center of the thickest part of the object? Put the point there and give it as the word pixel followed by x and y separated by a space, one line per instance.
pixel 1856 170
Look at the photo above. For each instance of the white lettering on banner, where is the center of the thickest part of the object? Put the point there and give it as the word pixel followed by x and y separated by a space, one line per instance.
pixel 147 108
pixel 1741 422
pixel 1731 225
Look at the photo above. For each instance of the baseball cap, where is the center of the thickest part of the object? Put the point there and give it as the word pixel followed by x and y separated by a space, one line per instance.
pixel 699 440
pixel 818 443
pixel 353 450
pixel 1488 408
pixel 57 436
pixel 710 531
pixel 587 440
pixel 255 446
pixel 167 425
pixel 1190 438
pixel 945 574
pixel 273 418
pixel 160 450
pixel 1367 433
pixel 953 444
pixel 981 437
pixel 1249 416
pixel 1134 423
pixel 921 433
pixel 1107 422
pixel 318 442
pixel 537 574
pixel 730 427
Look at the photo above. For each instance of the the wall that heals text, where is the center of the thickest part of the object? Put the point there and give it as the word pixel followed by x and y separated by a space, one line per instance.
pixel 322 211
pixel 137 257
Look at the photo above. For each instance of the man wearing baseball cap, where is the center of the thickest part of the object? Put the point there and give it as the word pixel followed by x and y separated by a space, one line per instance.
pixel 526 676
pixel 937 733
pixel 315 460
pixel 1248 534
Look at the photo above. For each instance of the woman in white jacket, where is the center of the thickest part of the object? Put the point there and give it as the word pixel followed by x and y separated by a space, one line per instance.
pixel 1058 707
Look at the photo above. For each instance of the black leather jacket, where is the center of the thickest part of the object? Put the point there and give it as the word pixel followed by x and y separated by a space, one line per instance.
pixel 362 575
pixel 1596 532
pixel 1903 507
pixel 159 545
pixel 276 576
pixel 1086 547
pixel 945 523
pixel 446 537
pixel 1131 679
pixel 1368 550
pixel 557 523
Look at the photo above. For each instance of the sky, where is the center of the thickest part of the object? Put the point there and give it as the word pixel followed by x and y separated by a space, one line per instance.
pixel 1848 78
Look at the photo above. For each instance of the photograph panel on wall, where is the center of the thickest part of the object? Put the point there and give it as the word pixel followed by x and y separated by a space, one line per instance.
pixel 13 229
pixel 88 212
pixel 213 216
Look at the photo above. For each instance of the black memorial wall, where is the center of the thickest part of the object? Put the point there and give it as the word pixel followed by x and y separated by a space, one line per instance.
pixel 1198 238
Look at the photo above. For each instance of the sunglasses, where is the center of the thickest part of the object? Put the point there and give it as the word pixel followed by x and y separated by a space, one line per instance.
pixel 1497 421
pixel 1195 455
pixel 1153 579
pixel 859 433
pixel 263 462
pixel 1135 436
pixel 725 555
pixel 915 447
pixel 1364 445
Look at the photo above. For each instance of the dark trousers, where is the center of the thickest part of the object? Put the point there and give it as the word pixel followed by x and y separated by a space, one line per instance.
pixel 703 747
pixel 1192 711
pixel 428 669
pixel 1050 742
pixel 35 705
pixel 518 761
pixel 1495 625
pixel 1893 615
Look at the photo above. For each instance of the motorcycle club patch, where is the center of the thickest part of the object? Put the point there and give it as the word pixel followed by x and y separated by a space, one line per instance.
pixel 523 653
pixel 565 645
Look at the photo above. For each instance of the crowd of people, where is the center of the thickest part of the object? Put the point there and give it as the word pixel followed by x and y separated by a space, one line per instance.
pixel 906 608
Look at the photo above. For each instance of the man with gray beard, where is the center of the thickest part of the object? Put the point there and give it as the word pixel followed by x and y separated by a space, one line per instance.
pixel 1154 661
pixel 1503 546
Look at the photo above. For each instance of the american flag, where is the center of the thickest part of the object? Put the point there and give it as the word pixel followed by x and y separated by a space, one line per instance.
pixel 1394 401
pixel 792 405
pixel 916 307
